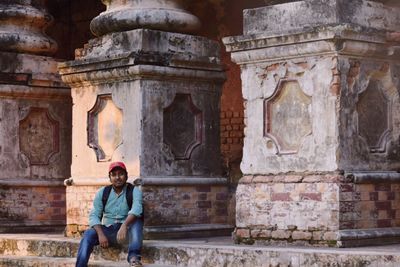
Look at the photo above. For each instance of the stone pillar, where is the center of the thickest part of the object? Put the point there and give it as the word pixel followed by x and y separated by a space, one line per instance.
pixel 35 122
pixel 149 98
pixel 321 149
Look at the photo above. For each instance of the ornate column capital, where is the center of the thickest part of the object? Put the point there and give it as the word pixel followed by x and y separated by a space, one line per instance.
pixel 164 15
pixel 22 26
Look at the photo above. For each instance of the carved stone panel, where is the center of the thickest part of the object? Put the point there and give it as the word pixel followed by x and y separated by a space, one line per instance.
pixel 182 125
pixel 39 136
pixel 373 117
pixel 287 117
pixel 104 127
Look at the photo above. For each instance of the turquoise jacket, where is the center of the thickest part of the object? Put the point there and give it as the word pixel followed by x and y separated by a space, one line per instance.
pixel 116 209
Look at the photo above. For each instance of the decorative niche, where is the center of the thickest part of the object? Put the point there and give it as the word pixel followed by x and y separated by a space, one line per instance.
pixel 39 137
pixel 104 127
pixel 374 116
pixel 182 126
pixel 287 117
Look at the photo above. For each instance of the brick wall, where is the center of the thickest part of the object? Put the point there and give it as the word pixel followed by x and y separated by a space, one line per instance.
pixel 364 206
pixel 167 205
pixel 185 205
pixel 294 208
pixel 311 209
pixel 33 205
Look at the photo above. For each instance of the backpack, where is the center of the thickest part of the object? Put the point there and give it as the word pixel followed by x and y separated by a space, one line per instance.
pixel 128 195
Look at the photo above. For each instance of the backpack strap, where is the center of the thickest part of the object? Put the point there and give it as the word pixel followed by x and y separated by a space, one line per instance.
pixel 104 197
pixel 129 194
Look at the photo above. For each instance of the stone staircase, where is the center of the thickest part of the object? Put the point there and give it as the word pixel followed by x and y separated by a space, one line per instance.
pixel 45 250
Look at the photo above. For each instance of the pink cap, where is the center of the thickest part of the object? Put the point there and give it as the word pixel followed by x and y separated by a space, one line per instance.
pixel 116 164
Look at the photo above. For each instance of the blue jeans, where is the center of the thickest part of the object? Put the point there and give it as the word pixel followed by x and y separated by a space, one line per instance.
pixel 90 239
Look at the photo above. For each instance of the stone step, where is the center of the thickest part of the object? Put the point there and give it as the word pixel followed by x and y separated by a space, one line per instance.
pixel 31 261
pixel 205 252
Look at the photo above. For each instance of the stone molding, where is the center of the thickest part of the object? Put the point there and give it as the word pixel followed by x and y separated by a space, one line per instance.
pixel 294 17
pixel 168 181
pixel 22 29
pixel 373 177
pixel 18 182
pixel 365 237
pixel 295 178
pixel 331 40
pixel 136 73
pixel 165 15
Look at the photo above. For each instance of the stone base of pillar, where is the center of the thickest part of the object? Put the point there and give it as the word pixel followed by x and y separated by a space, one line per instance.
pixel 173 208
pixel 31 206
pixel 323 210
pixel 35 143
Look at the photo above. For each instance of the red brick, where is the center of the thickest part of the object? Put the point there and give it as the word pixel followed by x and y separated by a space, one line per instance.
pixel 224 122
pixel 237 121
pixel 391 195
pixel 60 190
pixel 204 204
pixel 346 188
pixel 57 204
pixel 203 188
pixel 221 196
pixel 382 187
pixel 310 196
pixel 58 217
pixel 221 212
pixel 281 197
pixel 383 205
pixel 347 225
pixel 229 114
pixel 202 196
pixel 222 115
pixel 384 223
pixel 236 114
pixel 243 233
pixel 346 206
pixel 373 196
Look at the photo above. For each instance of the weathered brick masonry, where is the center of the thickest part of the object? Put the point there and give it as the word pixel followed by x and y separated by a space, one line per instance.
pixel 41 206
pixel 172 205
pixel 312 209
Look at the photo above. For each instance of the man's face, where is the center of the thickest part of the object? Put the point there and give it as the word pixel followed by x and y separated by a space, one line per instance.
pixel 118 177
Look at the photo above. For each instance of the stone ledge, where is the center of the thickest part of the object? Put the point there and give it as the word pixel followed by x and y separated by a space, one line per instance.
pixel 295 178
pixel 32 183
pixel 172 181
pixel 368 237
pixel 373 177
pixel 187 231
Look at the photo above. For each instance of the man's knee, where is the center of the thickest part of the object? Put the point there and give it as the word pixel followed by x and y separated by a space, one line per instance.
pixel 90 236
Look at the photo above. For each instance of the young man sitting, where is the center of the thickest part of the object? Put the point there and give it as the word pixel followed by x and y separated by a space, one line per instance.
pixel 112 218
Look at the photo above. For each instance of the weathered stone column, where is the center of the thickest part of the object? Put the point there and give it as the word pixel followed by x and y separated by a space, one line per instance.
pixel 321 149
pixel 149 98
pixel 35 122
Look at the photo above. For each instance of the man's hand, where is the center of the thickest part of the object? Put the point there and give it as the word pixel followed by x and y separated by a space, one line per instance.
pixel 121 235
pixel 103 241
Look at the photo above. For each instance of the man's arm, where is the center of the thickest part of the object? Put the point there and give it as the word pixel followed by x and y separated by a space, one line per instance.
pixel 135 212
pixel 95 216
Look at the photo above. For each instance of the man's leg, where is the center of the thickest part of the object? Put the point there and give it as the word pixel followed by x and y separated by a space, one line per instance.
pixel 135 232
pixel 90 239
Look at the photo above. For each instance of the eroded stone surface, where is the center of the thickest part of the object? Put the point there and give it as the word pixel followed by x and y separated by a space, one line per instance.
pixel 23 26
pixel 165 15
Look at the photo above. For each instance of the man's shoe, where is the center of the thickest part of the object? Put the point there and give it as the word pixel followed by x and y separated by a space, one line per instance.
pixel 135 262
